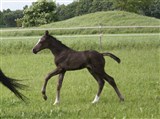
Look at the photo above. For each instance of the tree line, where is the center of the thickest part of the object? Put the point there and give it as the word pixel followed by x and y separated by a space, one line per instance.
pixel 44 11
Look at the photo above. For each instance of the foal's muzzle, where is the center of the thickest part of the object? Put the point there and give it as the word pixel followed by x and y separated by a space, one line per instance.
pixel 34 51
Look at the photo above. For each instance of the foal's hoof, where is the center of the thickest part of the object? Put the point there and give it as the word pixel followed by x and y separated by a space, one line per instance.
pixel 44 97
pixel 56 103
pixel 122 100
pixel 95 101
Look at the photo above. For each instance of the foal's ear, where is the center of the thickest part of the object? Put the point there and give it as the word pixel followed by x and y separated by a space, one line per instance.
pixel 46 32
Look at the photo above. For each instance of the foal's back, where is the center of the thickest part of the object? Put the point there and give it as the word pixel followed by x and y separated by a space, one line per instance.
pixel 75 60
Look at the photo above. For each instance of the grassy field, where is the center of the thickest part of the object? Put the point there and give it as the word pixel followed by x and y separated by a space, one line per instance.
pixel 110 18
pixel 137 77
pixel 19 45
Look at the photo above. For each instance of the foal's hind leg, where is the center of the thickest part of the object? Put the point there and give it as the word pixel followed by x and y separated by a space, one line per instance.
pixel 100 82
pixel 111 81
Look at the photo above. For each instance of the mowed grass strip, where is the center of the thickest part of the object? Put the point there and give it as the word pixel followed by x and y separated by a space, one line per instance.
pixel 137 77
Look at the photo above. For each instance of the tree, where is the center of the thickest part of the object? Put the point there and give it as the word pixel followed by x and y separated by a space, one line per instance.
pixel 83 7
pixel 9 17
pixel 40 12
pixel 136 6
pixel 65 12
pixel 2 24
pixel 101 5
pixel 61 12
pixel 154 9
pixel 1 19
pixel 6 11
pixel 19 22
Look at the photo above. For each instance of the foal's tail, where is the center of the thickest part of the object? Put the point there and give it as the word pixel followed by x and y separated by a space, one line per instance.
pixel 13 85
pixel 112 56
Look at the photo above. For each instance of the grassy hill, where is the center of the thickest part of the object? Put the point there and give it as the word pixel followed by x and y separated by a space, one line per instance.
pixel 110 18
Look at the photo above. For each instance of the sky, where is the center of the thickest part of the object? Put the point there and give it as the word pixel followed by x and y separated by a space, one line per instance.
pixel 19 4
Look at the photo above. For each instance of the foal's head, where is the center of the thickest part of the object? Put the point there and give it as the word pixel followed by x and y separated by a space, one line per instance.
pixel 43 43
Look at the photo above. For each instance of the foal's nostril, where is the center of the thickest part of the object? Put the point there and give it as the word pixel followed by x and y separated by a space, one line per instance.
pixel 34 51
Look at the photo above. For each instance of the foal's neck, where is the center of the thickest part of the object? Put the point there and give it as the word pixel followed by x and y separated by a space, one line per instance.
pixel 58 48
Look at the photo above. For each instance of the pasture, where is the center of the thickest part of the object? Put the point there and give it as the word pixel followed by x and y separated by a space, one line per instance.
pixel 137 77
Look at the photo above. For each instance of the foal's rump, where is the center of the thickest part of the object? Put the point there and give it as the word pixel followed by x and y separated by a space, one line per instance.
pixel 99 56
pixel 96 60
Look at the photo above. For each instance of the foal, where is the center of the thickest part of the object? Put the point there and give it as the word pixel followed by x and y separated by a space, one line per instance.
pixel 67 59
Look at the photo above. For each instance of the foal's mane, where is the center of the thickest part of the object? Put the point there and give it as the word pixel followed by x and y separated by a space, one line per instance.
pixel 59 43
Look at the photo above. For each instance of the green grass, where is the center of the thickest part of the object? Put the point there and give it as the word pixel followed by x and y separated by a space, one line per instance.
pixel 25 45
pixel 137 78
pixel 110 18
pixel 138 82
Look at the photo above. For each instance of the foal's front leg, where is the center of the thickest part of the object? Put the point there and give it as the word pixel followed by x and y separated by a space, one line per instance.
pixel 53 73
pixel 59 85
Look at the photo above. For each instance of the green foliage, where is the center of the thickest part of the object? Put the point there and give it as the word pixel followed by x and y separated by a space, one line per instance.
pixel 154 9
pixel 9 17
pixel 83 7
pixel 136 6
pixel 19 22
pixel 101 5
pixel 1 19
pixel 40 12
pixel 65 12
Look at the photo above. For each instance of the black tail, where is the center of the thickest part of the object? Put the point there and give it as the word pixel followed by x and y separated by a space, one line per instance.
pixel 13 85
pixel 112 56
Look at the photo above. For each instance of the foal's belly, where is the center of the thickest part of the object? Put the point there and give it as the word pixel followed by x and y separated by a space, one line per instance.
pixel 74 65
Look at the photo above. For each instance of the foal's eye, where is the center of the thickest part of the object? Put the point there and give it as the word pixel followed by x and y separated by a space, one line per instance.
pixel 41 41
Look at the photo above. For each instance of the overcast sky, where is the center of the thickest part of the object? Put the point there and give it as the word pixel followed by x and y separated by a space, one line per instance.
pixel 19 4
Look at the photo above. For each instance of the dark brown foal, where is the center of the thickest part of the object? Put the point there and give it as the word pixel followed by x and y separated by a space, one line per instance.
pixel 67 59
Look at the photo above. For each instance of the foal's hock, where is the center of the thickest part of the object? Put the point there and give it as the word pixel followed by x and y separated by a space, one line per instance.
pixel 67 59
